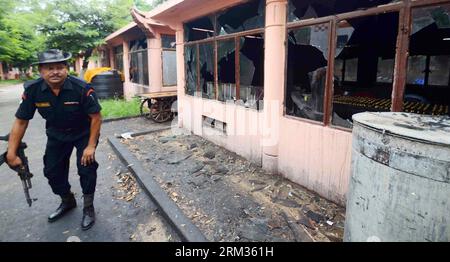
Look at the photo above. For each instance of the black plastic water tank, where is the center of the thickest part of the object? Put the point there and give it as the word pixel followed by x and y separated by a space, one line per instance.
pixel 108 84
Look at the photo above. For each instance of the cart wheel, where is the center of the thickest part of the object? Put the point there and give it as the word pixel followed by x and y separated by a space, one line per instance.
pixel 145 108
pixel 161 111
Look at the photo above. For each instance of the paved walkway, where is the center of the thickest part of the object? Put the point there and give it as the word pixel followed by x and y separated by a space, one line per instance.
pixel 117 219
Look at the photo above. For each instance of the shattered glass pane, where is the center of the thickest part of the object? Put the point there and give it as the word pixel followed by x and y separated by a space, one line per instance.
pixel 168 41
pixel 226 63
pixel 169 67
pixel 190 56
pixel 243 17
pixel 344 32
pixel 306 71
pixel 367 57
pixel 251 62
pixel 206 60
pixel 436 15
pixel 428 76
pixel 430 31
pixel 305 9
pixel 199 29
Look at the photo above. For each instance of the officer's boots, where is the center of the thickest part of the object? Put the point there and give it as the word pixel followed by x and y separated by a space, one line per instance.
pixel 67 203
pixel 88 212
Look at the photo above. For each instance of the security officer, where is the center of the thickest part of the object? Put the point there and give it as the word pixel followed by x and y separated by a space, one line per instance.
pixel 72 113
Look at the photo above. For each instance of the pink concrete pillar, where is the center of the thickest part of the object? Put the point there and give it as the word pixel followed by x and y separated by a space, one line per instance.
pixel 154 52
pixel 75 64
pixel 78 65
pixel 179 34
pixel 274 80
pixel 127 86
pixel 1 71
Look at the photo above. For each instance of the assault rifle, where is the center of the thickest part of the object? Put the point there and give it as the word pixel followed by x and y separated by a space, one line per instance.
pixel 23 170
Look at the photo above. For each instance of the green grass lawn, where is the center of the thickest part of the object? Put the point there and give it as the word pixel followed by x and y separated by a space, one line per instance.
pixel 112 108
pixel 10 82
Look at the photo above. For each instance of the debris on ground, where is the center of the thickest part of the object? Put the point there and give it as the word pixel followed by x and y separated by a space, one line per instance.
pixel 127 188
pixel 231 199
pixel 126 135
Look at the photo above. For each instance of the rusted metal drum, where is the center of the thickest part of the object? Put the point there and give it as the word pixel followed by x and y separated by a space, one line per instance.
pixel 108 84
pixel 400 182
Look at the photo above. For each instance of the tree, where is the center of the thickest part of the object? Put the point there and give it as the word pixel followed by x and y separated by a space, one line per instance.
pixel 157 2
pixel 30 26
pixel 77 27
pixel 119 11
pixel 19 41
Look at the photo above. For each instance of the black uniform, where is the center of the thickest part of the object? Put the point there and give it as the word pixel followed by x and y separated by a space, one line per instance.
pixel 67 126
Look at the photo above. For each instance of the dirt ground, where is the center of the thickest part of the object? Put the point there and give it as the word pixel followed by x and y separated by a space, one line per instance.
pixel 230 199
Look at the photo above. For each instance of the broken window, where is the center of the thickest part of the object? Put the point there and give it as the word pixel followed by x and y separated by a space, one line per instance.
pixel 199 29
pixel 368 65
pixel 306 71
pixel 139 62
pixel 190 56
pixel 243 17
pixel 168 41
pixel 251 64
pixel 226 69
pixel 217 58
pixel 206 67
pixel 118 58
pixel 306 9
pixel 428 77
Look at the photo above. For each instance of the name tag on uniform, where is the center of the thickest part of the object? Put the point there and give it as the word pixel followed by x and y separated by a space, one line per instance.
pixel 43 104
pixel 71 103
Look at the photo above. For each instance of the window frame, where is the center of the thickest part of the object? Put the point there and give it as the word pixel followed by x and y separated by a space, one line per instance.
pixel 214 39
pixel 174 49
pixel 302 24
pixel 404 8
pixel 148 73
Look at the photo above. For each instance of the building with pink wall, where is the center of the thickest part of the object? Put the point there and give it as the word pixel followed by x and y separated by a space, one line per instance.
pixel 7 72
pixel 277 81
pixel 144 51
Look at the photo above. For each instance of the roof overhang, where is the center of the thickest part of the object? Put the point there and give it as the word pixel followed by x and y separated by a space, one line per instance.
pixel 141 27
pixel 128 33
pixel 176 11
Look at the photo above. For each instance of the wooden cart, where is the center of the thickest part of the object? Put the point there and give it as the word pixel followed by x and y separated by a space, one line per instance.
pixel 157 106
